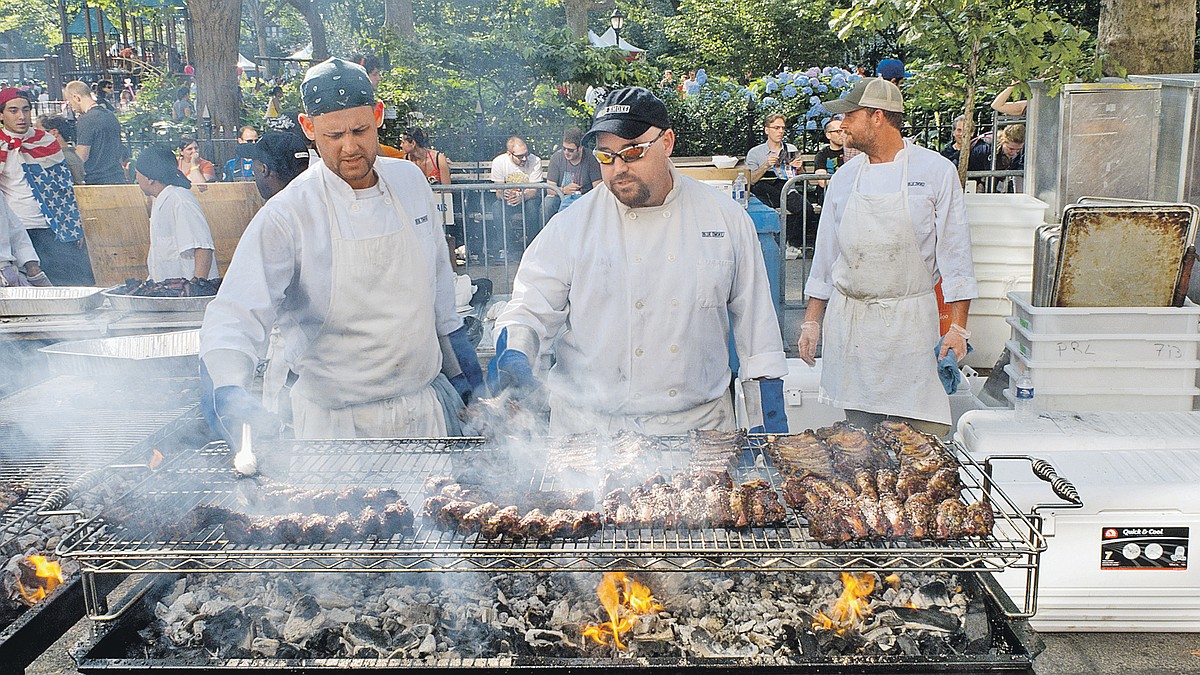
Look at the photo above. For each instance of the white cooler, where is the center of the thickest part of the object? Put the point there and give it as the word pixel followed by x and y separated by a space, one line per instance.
pixel 1124 561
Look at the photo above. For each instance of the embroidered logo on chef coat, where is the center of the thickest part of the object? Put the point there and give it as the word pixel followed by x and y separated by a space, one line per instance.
pixel 712 234
pixel 422 219
pixel 916 183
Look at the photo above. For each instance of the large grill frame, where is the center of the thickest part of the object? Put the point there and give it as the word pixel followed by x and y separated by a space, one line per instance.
pixel 403 464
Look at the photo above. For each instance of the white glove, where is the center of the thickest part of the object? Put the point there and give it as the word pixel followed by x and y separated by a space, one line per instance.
pixel 40 279
pixel 810 335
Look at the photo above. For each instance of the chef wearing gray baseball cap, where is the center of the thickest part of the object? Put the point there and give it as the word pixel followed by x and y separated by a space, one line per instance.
pixel 637 288
pixel 348 259
pixel 893 227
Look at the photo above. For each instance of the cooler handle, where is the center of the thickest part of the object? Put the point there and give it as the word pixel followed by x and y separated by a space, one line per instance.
pixel 1044 470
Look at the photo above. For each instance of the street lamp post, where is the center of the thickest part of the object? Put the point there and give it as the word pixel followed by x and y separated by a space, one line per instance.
pixel 617 19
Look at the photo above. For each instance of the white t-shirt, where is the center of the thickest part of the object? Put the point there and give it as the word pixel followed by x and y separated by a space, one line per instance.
pixel 18 194
pixel 504 170
pixel 177 229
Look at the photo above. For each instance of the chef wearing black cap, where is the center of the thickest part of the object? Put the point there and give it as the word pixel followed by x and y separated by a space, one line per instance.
pixel 349 260
pixel 642 281
pixel 181 244
pixel 276 159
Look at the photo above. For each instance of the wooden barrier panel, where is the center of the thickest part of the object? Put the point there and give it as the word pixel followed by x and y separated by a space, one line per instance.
pixel 116 224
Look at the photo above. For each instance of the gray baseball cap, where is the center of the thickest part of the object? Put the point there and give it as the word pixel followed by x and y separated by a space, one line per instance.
pixel 869 92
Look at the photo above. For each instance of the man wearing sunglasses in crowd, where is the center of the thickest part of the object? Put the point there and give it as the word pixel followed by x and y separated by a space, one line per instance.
pixel 637 288
pixel 515 210
pixel 573 169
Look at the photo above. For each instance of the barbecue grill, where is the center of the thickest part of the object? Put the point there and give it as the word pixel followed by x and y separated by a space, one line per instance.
pixel 205 476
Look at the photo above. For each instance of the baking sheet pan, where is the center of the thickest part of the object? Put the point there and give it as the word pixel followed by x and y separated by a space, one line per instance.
pixel 159 355
pixel 142 303
pixel 39 301
pixel 1121 255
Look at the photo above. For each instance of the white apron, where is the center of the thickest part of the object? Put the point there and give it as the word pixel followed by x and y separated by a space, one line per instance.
pixel 568 419
pixel 881 324
pixel 369 370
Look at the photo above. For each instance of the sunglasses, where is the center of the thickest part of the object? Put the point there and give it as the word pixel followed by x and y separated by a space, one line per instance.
pixel 628 155
pixel 570 151
pixel 521 157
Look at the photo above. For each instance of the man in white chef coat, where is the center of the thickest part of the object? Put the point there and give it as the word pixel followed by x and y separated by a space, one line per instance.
pixel 351 263
pixel 893 224
pixel 18 260
pixel 181 243
pixel 636 289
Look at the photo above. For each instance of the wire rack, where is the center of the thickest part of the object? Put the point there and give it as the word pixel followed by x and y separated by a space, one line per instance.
pixel 204 476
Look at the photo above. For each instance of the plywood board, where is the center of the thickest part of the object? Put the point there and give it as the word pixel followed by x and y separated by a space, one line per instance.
pixel 116 223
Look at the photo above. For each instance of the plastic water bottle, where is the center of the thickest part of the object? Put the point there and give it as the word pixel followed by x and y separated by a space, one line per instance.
pixel 1024 409
pixel 740 192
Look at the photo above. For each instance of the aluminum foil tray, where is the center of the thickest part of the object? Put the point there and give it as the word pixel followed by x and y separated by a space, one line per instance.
pixel 142 303
pixel 159 355
pixel 36 301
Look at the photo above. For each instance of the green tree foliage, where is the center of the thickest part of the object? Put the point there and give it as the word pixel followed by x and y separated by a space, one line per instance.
pixel 967 43
pixel 740 37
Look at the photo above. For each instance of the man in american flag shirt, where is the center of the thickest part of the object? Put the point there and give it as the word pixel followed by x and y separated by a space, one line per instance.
pixel 37 186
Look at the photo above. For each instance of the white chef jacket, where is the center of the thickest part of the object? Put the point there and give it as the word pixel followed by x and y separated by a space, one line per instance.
pixel 15 247
pixel 177 228
pixel 642 301
pixel 280 272
pixel 503 167
pixel 939 217
pixel 18 193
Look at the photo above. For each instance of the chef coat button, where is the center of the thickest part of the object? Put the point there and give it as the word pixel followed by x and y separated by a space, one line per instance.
pixel 639 304
pixel 632 215
pixel 674 302
pixel 637 258
pixel 671 258
pixel 666 214
pixel 638 352
pixel 387 200
pixel 672 393
pixel 636 396
pixel 354 208
pixel 674 348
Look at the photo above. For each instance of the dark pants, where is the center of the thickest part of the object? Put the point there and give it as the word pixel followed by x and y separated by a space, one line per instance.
pixel 513 227
pixel 768 192
pixel 65 263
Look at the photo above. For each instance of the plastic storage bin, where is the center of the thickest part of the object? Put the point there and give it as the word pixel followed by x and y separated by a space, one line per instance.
pixel 1116 398
pixel 800 389
pixel 1101 375
pixel 1105 320
pixel 1005 209
pixel 1099 348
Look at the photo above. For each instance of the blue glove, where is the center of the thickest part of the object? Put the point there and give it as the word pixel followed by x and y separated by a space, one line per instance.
pixel 947 368
pixel 769 404
pixel 509 368
pixel 471 377
pixel 226 409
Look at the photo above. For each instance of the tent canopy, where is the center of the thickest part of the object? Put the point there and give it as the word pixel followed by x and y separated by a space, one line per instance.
pixel 302 54
pixel 79 25
pixel 245 63
pixel 609 39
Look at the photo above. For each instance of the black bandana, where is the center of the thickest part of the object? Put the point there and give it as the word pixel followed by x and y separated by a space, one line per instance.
pixel 335 84
pixel 159 163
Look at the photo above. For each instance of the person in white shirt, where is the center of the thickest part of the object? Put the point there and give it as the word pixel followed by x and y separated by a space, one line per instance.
pixel 515 215
pixel 350 262
pixel 637 288
pixel 892 226
pixel 18 260
pixel 181 244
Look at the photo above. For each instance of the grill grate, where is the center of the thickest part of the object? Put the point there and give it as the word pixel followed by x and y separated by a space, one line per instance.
pixel 204 476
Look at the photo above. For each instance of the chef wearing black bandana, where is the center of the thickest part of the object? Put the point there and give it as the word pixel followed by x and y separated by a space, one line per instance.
pixel 350 262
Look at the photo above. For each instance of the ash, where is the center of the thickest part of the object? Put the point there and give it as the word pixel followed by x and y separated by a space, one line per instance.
pixel 450 617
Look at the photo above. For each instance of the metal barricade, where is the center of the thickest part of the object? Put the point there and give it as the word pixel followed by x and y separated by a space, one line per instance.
pixel 490 236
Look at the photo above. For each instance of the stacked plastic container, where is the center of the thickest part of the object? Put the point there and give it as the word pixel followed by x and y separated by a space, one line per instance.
pixel 1003 229
pixel 1106 358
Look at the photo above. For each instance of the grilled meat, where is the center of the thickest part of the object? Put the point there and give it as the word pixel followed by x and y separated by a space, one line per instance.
pixel 616 507
pixel 474 520
pixel 504 521
pixel 943 484
pixel 764 507
pixel 315 529
pixel 449 516
pixel 631 456
pixel 897 519
pixel 11 494
pixel 801 454
pixel 718 500
pixel 980 519
pixel 865 483
pixel 715 450
pixel 176 287
pixel 885 480
pixel 852 449
pixel 534 526
pixel 395 518
pixel 434 484
pixel 910 482
pixel 574 524
pixel 872 513
pixel 951 520
pixel 919 509
pixel 576 456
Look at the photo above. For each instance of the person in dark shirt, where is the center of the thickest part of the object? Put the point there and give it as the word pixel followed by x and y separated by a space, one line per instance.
pixel 830 157
pixel 981 151
pixel 97 136
pixel 104 94
pixel 573 170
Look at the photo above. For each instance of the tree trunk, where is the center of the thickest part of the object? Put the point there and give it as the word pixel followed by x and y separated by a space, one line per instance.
pixel 258 12
pixel 968 132
pixel 398 17
pixel 577 14
pixel 316 27
pixel 216 25
pixel 1147 36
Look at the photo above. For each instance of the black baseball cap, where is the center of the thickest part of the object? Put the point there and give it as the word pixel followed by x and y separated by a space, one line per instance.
pixel 281 151
pixel 159 163
pixel 628 113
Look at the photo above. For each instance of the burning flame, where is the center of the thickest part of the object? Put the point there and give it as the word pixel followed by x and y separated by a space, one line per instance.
pixel 49 576
pixel 625 600
pixel 156 459
pixel 851 607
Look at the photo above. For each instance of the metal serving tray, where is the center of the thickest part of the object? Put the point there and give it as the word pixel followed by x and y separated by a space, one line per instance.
pixel 37 301
pixel 142 303
pixel 206 476
pixel 131 356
